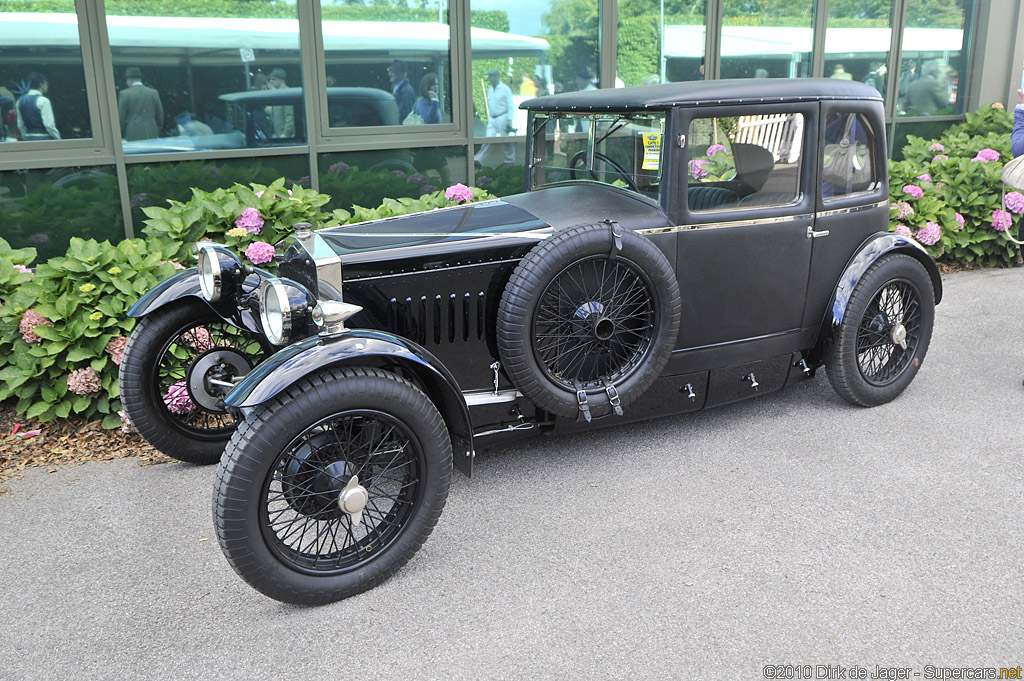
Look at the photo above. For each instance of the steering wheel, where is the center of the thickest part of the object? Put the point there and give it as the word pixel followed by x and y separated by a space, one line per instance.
pixel 598 156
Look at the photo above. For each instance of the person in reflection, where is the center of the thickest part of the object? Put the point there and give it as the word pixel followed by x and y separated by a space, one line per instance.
pixel 142 114
pixel 400 88
pixel 263 128
pixel 876 76
pixel 282 118
pixel 499 117
pixel 840 72
pixel 928 94
pixel 35 113
pixel 428 106
pixel 760 73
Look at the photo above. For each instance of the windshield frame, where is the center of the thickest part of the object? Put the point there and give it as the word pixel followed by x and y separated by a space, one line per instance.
pixel 599 128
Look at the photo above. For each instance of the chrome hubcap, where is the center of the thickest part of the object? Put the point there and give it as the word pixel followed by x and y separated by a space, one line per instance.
pixel 353 500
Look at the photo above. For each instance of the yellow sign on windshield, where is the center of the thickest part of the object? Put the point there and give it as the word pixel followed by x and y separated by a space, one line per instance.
pixel 652 150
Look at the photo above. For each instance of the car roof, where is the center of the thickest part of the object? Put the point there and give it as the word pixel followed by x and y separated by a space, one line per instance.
pixel 705 93
pixel 295 93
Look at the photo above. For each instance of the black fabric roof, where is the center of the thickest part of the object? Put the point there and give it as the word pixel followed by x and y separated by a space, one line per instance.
pixel 704 93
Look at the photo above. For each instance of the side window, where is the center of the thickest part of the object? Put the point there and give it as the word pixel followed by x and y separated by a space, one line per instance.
pixel 847 159
pixel 744 161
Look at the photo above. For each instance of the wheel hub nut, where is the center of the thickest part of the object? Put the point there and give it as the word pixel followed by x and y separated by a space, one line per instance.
pixel 899 336
pixel 353 500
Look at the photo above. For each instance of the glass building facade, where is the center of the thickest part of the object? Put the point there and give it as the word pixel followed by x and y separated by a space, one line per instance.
pixel 109 106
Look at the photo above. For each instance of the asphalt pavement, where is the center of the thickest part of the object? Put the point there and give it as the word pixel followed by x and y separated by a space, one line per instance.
pixel 793 529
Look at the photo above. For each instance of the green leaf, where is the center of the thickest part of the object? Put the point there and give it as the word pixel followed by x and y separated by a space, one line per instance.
pixel 111 421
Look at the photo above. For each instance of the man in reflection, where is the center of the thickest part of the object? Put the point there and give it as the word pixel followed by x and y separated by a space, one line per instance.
pixel 35 114
pixel 404 93
pixel 142 114
pixel 927 94
pixel 499 117
pixel 282 118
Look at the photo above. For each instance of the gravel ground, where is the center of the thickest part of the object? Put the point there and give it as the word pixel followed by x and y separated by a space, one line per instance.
pixel 791 529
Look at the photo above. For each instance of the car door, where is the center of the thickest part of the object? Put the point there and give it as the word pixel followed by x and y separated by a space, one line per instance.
pixel 746 231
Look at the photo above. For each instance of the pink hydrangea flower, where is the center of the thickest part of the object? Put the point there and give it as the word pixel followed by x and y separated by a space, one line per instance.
pixel 987 155
pixel 903 230
pixel 177 399
pixel 199 339
pixel 84 381
pixel 427 189
pixel 714 149
pixel 259 252
pixel 115 348
pixel 29 321
pixel 250 219
pixel 259 194
pixel 1015 202
pixel 924 176
pixel 929 234
pixel 418 178
pixel 175 265
pixel 939 157
pixel 913 190
pixel 697 168
pixel 903 210
pixel 936 146
pixel 1001 220
pixel 22 269
pixel 126 423
pixel 339 168
pixel 960 221
pixel 458 193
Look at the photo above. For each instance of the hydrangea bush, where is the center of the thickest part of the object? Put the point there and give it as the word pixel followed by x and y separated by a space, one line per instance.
pixel 63 326
pixel 947 193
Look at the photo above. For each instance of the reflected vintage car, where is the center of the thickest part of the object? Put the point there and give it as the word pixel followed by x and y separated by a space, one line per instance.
pixel 681 246
pixel 248 121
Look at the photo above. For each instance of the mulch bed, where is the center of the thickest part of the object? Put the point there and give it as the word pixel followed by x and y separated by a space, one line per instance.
pixel 64 442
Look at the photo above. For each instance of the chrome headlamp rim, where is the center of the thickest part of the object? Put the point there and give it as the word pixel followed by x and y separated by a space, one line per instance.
pixel 283 306
pixel 217 267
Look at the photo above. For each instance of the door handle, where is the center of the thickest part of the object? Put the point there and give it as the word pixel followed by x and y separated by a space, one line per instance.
pixel 811 234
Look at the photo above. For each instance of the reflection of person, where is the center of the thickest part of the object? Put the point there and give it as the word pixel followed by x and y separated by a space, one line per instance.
pixel 427 104
pixel 405 96
pixel 142 114
pixel 876 76
pixel 761 73
pixel 263 128
pixel 926 95
pixel 6 104
pixel 1017 136
pixel 499 116
pixel 584 81
pixel 35 113
pixel 282 118
pixel 840 72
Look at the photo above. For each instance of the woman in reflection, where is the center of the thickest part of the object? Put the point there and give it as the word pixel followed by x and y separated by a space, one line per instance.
pixel 427 104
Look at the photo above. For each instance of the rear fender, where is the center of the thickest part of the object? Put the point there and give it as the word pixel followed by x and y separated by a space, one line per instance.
pixel 362 347
pixel 877 246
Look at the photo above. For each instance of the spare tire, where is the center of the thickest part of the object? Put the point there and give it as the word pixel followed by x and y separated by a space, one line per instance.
pixel 588 320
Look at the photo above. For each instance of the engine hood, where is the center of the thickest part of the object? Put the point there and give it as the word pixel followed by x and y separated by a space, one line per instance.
pixel 501 223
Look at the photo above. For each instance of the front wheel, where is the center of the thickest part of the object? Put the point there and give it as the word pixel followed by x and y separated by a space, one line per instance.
pixel 179 363
pixel 329 488
pixel 885 334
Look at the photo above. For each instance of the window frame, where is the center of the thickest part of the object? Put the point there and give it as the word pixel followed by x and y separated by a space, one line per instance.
pixel 870 111
pixel 684 116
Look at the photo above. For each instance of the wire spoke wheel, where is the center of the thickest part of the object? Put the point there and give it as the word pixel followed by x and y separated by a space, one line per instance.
pixel 196 417
pixel 885 332
pixel 594 323
pixel 303 517
pixel 894 314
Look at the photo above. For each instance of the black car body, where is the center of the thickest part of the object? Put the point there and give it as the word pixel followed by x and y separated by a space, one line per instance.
pixel 680 247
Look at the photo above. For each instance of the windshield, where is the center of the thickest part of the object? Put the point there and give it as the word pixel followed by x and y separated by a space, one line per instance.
pixel 621 150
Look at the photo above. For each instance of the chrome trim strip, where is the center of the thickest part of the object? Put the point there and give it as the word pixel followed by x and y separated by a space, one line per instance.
pixel 476 398
pixel 445 269
pixel 763 221
pixel 853 209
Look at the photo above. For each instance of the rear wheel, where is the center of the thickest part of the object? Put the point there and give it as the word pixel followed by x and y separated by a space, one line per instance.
pixel 179 363
pixel 885 334
pixel 329 488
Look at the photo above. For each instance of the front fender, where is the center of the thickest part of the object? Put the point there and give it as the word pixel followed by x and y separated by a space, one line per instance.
pixel 362 347
pixel 185 284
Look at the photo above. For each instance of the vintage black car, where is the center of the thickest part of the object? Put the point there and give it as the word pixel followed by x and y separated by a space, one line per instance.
pixel 679 247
